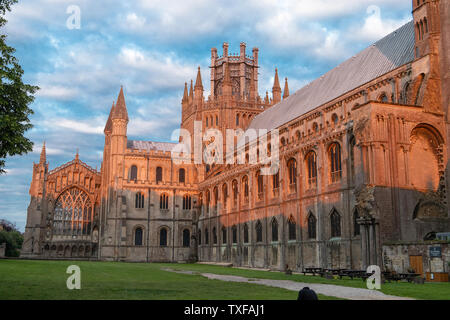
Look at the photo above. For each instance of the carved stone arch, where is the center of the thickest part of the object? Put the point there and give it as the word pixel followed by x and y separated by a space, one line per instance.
pixel 383 97
pixel 426 156
pixel 429 209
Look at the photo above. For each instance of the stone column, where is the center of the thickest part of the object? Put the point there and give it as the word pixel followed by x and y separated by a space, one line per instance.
pixel 363 245
pixel 371 244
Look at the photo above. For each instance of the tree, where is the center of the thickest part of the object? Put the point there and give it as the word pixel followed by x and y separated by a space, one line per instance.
pixel 12 237
pixel 15 98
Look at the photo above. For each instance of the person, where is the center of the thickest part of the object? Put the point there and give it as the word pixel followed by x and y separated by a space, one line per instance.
pixel 306 294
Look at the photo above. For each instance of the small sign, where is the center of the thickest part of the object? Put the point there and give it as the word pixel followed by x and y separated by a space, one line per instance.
pixel 435 252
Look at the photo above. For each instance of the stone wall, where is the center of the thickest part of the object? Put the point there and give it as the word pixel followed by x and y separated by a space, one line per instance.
pixel 397 256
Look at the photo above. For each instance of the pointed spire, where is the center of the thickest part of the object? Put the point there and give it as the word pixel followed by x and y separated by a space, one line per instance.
pixel 185 95
pixel 198 81
pixel 120 111
pixel 108 126
pixel 286 89
pixel 191 92
pixel 77 157
pixel 276 82
pixel 276 89
pixel 43 158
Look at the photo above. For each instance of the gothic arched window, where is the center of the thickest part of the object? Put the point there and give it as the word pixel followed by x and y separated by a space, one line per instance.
pixel 159 174
pixel 276 180
pixel 274 226
pixel 214 235
pixel 164 202
pixel 258 229
pixel 224 195
pixel 199 237
pixel 138 237
pixel 187 202
pixel 311 226
pixel 186 238
pixel 311 163
pixel 292 167
pixel 335 162
pixel 260 180
pixel 133 173
pixel 245 186
pixel 73 213
pixel 234 186
pixel 163 237
pixel 335 221
pixel 224 235
pixel 234 234
pixel 139 201
pixel 182 175
pixel 245 233
pixel 292 228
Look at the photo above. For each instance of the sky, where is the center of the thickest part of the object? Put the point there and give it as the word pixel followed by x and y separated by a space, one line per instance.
pixel 151 48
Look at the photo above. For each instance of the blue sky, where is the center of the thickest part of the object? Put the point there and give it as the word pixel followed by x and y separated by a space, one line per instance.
pixel 152 47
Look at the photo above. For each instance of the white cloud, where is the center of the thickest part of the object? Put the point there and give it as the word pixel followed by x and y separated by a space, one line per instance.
pixel 57 92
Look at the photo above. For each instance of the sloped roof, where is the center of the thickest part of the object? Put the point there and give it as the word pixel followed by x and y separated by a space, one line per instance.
pixel 389 53
pixel 150 145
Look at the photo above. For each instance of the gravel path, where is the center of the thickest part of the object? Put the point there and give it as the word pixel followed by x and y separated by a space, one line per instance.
pixel 325 289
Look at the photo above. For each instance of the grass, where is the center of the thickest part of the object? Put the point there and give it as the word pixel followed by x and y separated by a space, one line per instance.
pixel 427 291
pixel 46 280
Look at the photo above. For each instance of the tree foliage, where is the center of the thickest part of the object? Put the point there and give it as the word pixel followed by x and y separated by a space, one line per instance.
pixel 15 98
pixel 12 237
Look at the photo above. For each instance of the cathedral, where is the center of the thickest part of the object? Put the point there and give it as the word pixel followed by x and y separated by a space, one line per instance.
pixel 362 164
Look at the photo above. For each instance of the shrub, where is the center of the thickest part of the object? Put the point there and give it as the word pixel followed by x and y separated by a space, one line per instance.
pixel 13 240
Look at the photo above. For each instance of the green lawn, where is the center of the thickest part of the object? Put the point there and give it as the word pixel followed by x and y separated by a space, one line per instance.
pixel 427 291
pixel 25 279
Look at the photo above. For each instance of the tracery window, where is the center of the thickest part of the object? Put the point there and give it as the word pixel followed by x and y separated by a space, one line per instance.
pixel 73 213
pixel 139 201
pixel 292 166
pixel 187 202
pixel 335 162
pixel 311 162
pixel 311 226
pixel 276 180
pixel 274 225
pixel 292 227
pixel 259 230
pixel 164 201
pixel 335 220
